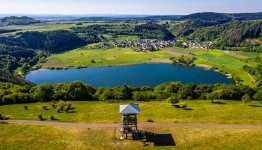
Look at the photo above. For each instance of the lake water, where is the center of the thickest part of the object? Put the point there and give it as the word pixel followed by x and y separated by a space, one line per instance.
pixel 133 75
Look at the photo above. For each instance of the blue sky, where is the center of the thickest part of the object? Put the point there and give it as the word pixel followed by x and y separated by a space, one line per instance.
pixel 152 7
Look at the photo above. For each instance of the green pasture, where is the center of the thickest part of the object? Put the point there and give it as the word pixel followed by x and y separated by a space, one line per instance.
pixel 24 137
pixel 225 112
pixel 226 62
pixel 86 57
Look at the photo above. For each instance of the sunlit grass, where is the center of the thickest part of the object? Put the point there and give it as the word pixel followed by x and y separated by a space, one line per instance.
pixel 118 56
pixel 232 112
pixel 24 137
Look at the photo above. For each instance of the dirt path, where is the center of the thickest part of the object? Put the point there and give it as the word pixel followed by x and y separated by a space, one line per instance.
pixel 141 125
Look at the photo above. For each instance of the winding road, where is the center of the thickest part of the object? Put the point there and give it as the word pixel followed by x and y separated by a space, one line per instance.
pixel 141 125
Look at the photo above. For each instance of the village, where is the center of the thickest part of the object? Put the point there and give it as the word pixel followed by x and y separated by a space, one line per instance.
pixel 143 45
pixel 194 44
pixel 139 45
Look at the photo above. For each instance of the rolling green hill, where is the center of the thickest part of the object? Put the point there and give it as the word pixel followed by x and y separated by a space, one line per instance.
pixel 13 20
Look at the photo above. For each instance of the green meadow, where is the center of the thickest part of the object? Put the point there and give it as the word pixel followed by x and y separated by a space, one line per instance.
pixel 223 111
pixel 86 57
pixel 224 61
pixel 24 137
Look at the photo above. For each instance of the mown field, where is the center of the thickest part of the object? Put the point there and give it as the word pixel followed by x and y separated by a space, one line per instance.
pixel 83 57
pixel 24 137
pixel 225 61
pixel 223 111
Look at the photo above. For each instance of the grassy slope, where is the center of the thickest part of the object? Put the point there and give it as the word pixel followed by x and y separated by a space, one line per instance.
pixel 25 137
pixel 108 57
pixel 228 62
pixel 234 112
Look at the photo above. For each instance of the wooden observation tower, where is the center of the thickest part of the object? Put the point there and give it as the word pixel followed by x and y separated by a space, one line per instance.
pixel 129 119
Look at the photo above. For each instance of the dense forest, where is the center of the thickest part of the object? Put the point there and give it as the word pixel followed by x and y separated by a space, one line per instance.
pixel 245 36
pixel 12 93
pixel 144 31
pixel 13 20
pixel 28 48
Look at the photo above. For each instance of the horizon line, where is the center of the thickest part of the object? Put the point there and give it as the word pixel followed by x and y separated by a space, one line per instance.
pixel 129 14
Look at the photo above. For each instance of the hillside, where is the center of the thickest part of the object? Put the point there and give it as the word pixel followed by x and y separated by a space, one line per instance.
pixel 13 20
pixel 53 41
pixel 222 17
pixel 230 34
pixel 6 76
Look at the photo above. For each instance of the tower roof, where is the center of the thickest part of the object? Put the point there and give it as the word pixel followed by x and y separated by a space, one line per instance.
pixel 129 109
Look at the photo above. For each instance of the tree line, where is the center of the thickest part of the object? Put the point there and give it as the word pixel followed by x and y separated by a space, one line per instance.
pixel 77 91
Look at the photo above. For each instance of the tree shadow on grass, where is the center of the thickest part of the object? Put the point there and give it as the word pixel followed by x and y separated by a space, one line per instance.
pixel 161 139
pixel 254 105
pixel 220 103
pixel 188 109
pixel 157 139
pixel 71 111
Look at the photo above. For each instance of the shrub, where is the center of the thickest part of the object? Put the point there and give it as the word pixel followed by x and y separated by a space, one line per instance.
pixel 150 120
pixel 63 106
pixel 52 117
pixel 53 104
pixel 173 100
pixel 182 105
pixel 45 107
pixel 3 117
pixel 26 107
pixel 3 122
pixel 40 117
pixel 246 99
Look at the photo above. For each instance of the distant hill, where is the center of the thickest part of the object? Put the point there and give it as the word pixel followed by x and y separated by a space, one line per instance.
pixel 222 17
pixel 13 20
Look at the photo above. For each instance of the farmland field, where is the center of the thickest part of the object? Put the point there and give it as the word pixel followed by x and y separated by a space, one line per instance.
pixel 224 111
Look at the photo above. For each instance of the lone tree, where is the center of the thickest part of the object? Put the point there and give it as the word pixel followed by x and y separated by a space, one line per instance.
pixel 246 99
pixel 211 97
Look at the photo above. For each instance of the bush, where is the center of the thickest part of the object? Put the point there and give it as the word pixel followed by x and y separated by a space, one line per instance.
pixel 3 117
pixel 26 107
pixel 3 122
pixel 63 106
pixel 246 99
pixel 40 117
pixel 173 100
pixel 150 120
pixel 181 105
pixel 52 117
pixel 45 107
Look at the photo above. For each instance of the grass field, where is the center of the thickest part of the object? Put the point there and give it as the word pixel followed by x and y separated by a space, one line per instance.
pixel 227 112
pixel 50 26
pixel 24 137
pixel 227 62
pixel 109 57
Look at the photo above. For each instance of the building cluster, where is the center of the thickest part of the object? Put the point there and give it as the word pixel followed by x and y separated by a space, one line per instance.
pixel 140 45
pixel 194 44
